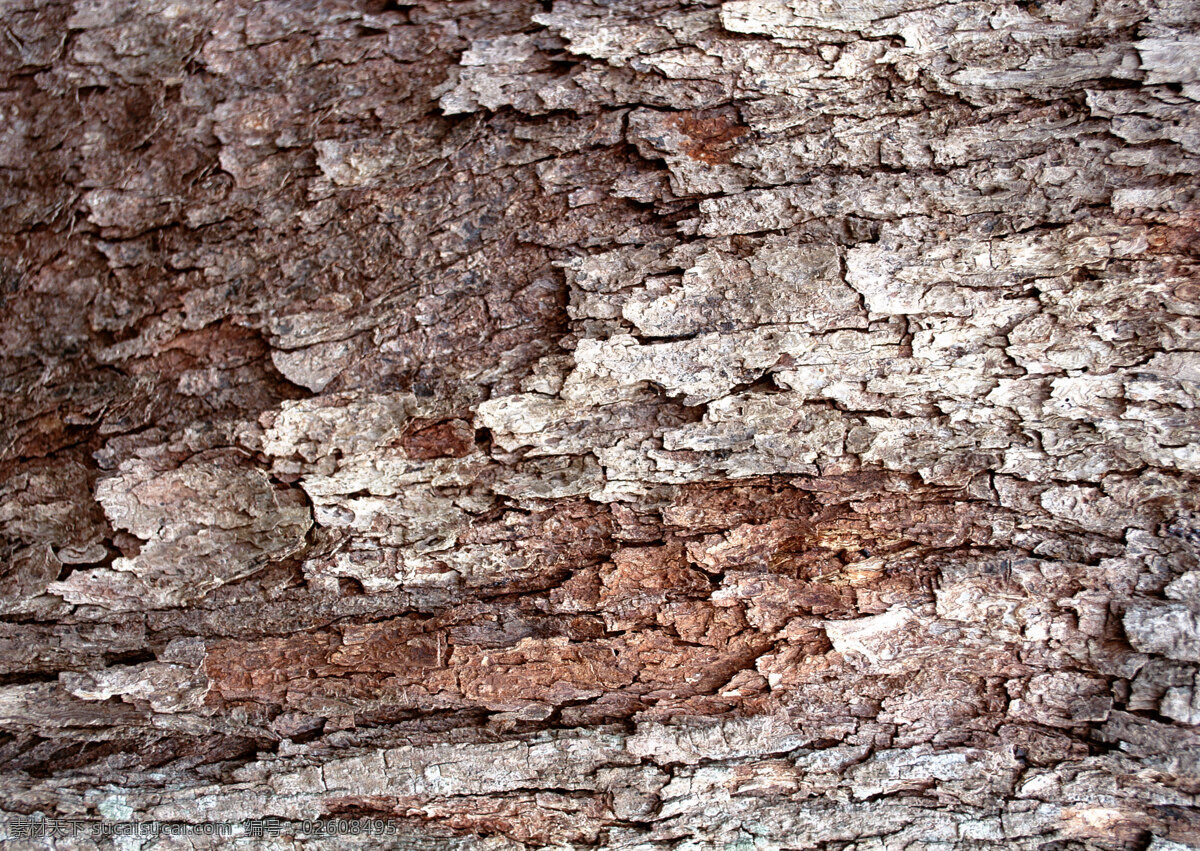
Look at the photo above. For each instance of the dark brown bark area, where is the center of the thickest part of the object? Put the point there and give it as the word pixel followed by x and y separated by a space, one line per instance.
pixel 636 424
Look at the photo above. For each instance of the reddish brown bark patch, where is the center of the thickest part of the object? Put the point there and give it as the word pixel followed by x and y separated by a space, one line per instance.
pixel 425 439
pixel 712 135
pixel 542 818
pixel 1179 238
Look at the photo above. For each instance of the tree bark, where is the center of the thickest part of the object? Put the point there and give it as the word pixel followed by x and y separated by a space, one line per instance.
pixel 635 423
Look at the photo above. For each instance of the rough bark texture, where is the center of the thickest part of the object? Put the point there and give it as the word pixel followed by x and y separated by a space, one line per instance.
pixel 645 423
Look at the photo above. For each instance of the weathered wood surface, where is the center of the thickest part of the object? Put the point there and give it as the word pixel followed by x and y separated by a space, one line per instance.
pixel 645 423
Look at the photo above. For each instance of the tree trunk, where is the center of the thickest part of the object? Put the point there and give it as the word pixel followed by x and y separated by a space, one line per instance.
pixel 637 423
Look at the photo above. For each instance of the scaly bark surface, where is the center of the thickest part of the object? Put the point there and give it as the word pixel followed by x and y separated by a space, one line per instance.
pixel 638 423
